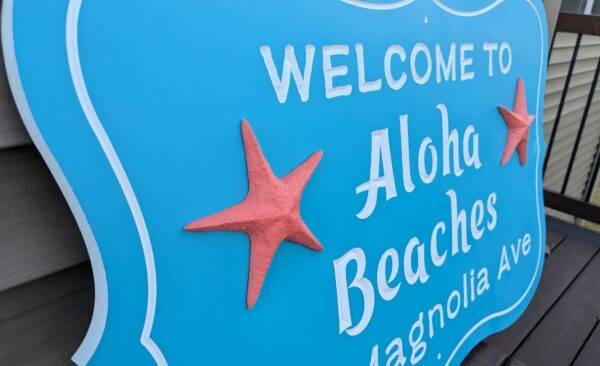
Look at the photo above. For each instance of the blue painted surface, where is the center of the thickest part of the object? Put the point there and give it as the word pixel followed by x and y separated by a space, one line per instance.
pixel 170 82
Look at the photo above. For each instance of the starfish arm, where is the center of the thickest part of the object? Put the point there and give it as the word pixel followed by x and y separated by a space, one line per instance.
pixel 258 168
pixel 511 118
pixel 301 235
pixel 269 213
pixel 235 218
pixel 520 107
pixel 297 179
pixel 263 245
pixel 511 144
pixel 522 150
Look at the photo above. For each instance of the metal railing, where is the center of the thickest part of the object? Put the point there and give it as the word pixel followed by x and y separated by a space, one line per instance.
pixel 579 207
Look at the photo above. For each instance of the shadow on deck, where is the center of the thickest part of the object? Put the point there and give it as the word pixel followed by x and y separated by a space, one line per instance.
pixel 560 326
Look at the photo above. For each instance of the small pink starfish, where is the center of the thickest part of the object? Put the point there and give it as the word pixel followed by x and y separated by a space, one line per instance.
pixel 518 122
pixel 269 214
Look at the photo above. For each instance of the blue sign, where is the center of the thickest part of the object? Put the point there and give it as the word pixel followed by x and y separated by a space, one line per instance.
pixel 332 182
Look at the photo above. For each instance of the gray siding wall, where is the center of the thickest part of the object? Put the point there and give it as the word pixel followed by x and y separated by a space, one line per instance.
pixel 575 101
pixel 46 286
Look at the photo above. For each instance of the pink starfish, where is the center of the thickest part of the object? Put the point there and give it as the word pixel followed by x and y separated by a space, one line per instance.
pixel 269 214
pixel 518 122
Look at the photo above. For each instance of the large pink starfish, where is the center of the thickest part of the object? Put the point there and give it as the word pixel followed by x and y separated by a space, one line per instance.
pixel 518 122
pixel 269 214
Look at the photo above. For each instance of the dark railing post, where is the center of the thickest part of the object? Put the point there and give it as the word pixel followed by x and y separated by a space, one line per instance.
pixel 583 209
pixel 589 185
pixel 550 48
pixel 562 102
pixel 581 128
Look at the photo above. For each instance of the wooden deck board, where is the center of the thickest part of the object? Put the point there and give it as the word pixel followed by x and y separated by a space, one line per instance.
pixel 559 337
pixel 553 239
pixel 561 267
pixel 485 355
pixel 590 352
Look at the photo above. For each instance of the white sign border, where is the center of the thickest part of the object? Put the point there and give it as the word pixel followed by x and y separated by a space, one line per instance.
pixel 98 322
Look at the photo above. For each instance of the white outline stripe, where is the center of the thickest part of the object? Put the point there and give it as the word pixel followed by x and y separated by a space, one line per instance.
pixel 462 13
pixel 365 4
pixel 474 13
pixel 537 201
pixel 92 339
pixel 117 167
pixel 98 322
